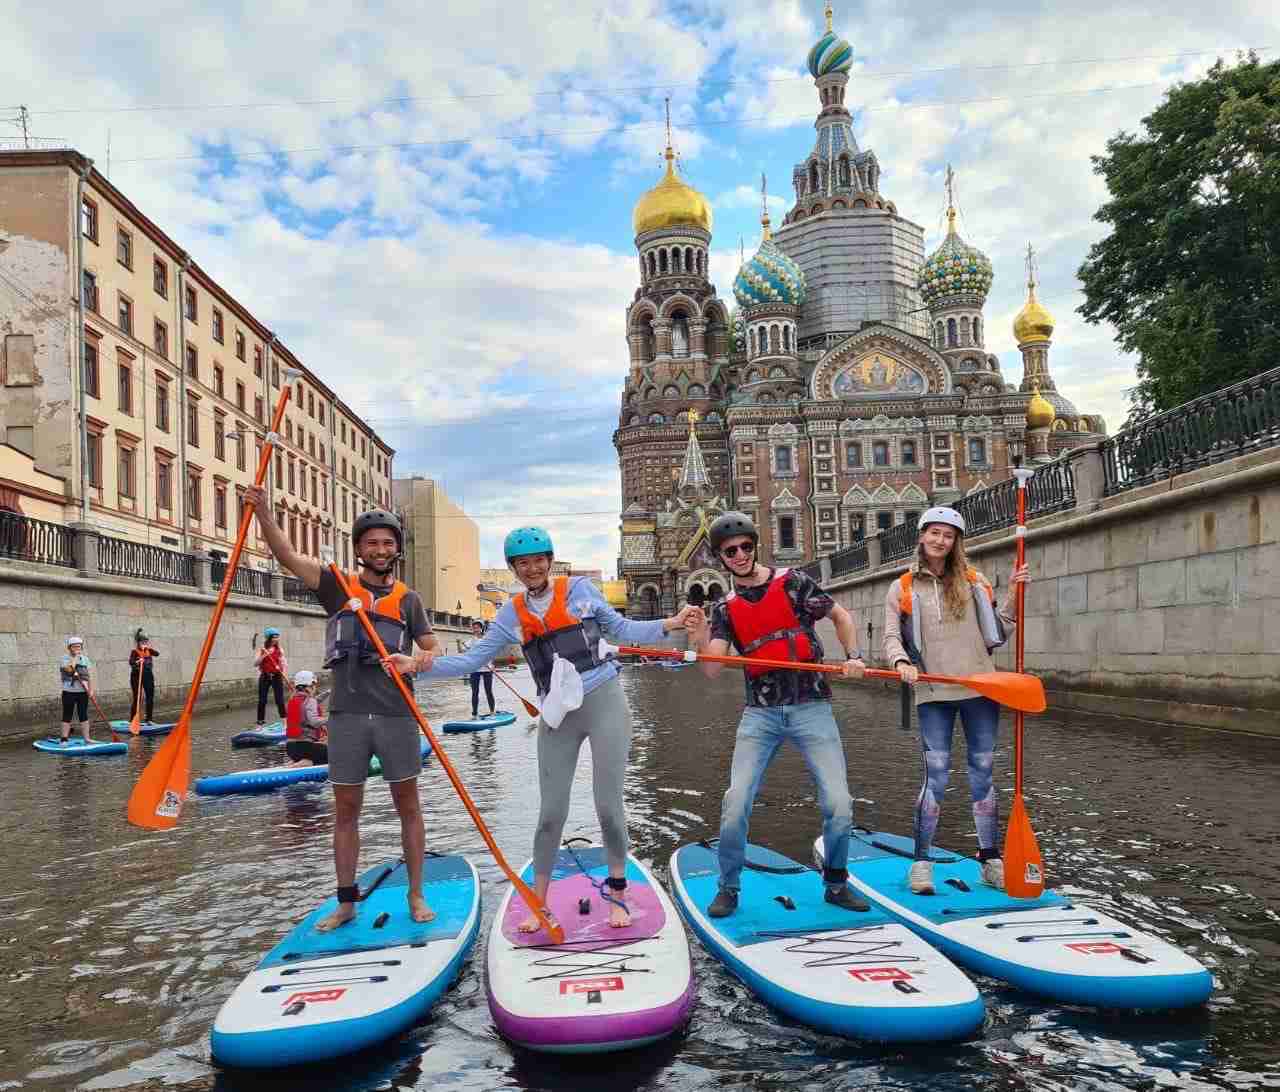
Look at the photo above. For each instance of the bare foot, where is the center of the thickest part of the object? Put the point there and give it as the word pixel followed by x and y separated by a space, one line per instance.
pixel 346 912
pixel 619 916
pixel 419 910
pixel 531 924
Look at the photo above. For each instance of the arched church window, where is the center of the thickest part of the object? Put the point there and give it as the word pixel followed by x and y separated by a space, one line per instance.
pixel 786 339
pixel 952 339
pixel 679 334
pixel 775 339
pixel 688 259
pixel 977 330
pixel 964 330
pixel 662 260
pixel 696 390
pixel 670 391
pixel 635 419
pixel 653 264
pixel 939 337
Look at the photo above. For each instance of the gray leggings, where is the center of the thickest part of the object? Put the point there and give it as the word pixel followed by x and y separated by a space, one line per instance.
pixel 604 719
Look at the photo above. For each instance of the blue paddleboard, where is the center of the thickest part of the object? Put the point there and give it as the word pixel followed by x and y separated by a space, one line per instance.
pixel 274 777
pixel 1054 946
pixel 147 728
pixel 77 746
pixel 478 724
pixel 318 996
pixel 267 736
pixel 861 975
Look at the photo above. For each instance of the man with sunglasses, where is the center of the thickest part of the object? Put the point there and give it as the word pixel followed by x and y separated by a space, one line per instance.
pixel 771 614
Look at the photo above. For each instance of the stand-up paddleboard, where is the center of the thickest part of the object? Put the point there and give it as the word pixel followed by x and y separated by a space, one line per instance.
pixel 275 777
pixel 499 719
pixel 77 746
pixel 861 975
pixel 147 728
pixel 1051 945
pixel 602 989
pixel 321 995
pixel 266 736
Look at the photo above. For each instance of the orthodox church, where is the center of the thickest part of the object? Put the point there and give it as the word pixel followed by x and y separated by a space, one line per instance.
pixel 847 390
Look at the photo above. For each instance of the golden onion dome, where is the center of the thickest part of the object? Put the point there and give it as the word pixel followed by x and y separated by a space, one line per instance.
pixel 1033 323
pixel 1040 411
pixel 671 203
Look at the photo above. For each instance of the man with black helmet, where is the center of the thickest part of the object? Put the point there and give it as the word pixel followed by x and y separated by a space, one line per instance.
pixel 367 716
pixel 771 614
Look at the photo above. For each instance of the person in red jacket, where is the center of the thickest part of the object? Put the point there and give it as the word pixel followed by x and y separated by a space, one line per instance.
pixel 305 729
pixel 140 657
pixel 272 668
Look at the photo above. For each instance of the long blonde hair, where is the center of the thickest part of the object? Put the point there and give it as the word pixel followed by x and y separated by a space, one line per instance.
pixel 955 578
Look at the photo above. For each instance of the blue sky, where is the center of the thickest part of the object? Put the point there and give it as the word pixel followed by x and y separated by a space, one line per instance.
pixel 434 211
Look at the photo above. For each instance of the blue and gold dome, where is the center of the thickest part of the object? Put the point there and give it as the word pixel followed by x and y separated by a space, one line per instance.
pixel 830 53
pixel 769 277
pixel 955 269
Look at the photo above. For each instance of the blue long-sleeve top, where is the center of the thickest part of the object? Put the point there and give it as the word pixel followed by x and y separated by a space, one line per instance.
pixel 584 601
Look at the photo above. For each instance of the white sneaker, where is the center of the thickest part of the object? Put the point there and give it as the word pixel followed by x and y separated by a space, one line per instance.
pixel 993 872
pixel 920 878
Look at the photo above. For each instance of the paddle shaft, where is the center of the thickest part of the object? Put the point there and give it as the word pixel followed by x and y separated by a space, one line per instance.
pixel 96 706
pixel 531 900
pixel 135 721
pixel 529 707
pixel 1019 601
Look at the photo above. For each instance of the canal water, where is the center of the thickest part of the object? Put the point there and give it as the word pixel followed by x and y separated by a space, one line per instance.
pixel 118 946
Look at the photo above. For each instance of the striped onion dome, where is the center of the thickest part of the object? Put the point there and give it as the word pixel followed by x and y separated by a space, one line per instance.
pixel 769 277
pixel 830 53
pixel 955 269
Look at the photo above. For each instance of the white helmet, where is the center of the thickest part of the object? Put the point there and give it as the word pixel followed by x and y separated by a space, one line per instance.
pixel 942 514
pixel 74 641
pixel 304 678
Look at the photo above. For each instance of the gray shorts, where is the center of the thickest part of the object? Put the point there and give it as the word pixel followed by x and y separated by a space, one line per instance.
pixel 354 738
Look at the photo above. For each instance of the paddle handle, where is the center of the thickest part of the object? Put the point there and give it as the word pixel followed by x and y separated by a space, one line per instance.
pixel 526 892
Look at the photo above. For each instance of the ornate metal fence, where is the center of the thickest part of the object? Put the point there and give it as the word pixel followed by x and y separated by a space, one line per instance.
pixel 897 542
pixel 1220 426
pixel 295 591
pixel 246 581
pixel 851 559
pixel 119 557
pixel 27 539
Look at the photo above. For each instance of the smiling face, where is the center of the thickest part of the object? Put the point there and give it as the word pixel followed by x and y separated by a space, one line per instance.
pixel 532 570
pixel 378 548
pixel 739 555
pixel 936 540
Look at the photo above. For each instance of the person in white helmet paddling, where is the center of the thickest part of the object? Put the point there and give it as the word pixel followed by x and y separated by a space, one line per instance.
pixel 75 672
pixel 367 716
pixel 942 617
pixel 304 724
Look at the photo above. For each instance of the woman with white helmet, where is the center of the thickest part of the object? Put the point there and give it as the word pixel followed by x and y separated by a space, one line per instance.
pixel 305 729
pixel 941 616
pixel 75 672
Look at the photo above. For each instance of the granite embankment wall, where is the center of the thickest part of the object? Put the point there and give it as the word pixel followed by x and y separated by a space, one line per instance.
pixel 1162 603
pixel 40 607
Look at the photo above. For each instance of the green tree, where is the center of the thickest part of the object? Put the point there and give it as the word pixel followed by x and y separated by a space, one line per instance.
pixel 1190 273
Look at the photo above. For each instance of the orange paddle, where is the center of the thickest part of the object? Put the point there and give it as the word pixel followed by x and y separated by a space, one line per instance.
pixel 1023 865
pixel 531 900
pixel 135 722
pixel 1013 689
pixel 100 713
pixel 157 798
pixel 529 707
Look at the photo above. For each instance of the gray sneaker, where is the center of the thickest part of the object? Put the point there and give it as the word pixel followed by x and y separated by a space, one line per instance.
pixel 993 872
pixel 920 878
pixel 724 904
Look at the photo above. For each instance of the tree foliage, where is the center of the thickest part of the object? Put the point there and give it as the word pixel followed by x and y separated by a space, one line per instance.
pixel 1190 273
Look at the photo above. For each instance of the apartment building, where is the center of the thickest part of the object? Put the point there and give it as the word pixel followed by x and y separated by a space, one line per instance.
pixel 159 431
pixel 442 547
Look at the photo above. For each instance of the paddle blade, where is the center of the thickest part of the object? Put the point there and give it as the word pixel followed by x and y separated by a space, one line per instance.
pixel 1025 693
pixel 1023 865
pixel 157 799
pixel 135 725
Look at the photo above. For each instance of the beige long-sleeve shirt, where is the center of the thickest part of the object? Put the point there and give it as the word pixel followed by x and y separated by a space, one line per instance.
pixel 953 646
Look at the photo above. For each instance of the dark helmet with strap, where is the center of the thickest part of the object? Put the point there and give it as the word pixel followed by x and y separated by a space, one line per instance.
pixel 377 517
pixel 731 525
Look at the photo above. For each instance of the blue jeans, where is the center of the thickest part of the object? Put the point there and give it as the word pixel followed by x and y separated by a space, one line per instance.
pixel 812 728
pixel 980 718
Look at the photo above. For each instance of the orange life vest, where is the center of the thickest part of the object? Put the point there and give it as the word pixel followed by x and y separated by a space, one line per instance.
pixel 556 633
pixel 345 635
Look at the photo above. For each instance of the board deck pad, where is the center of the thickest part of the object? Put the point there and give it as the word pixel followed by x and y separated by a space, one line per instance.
pixel 77 746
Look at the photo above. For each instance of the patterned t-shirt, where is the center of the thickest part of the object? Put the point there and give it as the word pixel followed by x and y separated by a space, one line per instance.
pixel 782 687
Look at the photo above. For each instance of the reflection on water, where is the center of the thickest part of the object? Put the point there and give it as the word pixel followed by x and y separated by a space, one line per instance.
pixel 118 947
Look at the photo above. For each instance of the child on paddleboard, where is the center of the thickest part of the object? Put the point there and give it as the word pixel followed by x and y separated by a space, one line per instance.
pixel 771 615
pixel 942 617
pixel 305 726
pixel 75 673
pixel 140 657
pixel 272 669
pixel 563 620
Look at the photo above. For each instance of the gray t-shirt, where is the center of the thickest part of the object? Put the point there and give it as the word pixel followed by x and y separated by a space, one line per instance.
pixel 365 688
pixel 83 667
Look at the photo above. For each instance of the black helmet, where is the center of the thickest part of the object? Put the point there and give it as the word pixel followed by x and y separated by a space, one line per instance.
pixel 730 525
pixel 377 517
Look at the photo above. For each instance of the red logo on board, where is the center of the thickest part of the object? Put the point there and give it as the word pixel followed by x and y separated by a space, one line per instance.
pixel 879 974
pixel 1096 947
pixel 314 996
pixel 587 985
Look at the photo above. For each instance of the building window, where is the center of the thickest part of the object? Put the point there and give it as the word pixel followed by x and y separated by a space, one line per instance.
pixel 218 380
pixel 977 450
pixel 311 404
pixel 321 409
pixel 125 386
pixel 953 338
pixel 853 456
pixel 942 462
pixel 302 483
pixel 160 339
pixel 219 437
pixel 288 431
pixel 217 326
pixel 782 459
pixel 220 506
pixel 160 278
pixel 162 403
pixel 124 315
pixel 315 490
pixel 293 530
pixel 279 470
pixel 880 452
pixel 89 292
pixel 275 374
pixel 857 526
pixel 164 483
pixel 942 481
pixel 193 422
pixel 91 368
pixel 124 248
pixel 344 506
pixel 193 495
pixel 239 344
pixel 193 361
pixel 189 296
pixel 257 361
pixel 293 479
pixel 786 532
pixel 909 453
pixel 311 445
pixel 127 459
pixel 95 459
pixel 364 448
pixel 942 443
pixel 258 409
pixel 884 520
pixel 89 219
pixel 344 432
pixel 239 396
pixel 240 448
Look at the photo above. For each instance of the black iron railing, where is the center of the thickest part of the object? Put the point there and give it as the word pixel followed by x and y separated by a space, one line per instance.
pixel 1220 426
pixel 27 539
pixel 851 559
pixel 898 542
pixel 295 591
pixel 813 569
pixel 119 557
pixel 255 582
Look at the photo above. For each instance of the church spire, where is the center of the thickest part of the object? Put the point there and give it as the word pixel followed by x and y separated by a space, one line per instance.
pixel 693 475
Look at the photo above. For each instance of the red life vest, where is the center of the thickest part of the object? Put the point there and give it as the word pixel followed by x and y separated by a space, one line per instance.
pixel 272 660
pixel 293 716
pixel 769 629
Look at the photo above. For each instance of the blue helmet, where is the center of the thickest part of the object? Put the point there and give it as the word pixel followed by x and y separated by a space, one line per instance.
pixel 270 632
pixel 524 541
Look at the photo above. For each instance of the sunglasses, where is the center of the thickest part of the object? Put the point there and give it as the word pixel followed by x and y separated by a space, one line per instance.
pixel 743 548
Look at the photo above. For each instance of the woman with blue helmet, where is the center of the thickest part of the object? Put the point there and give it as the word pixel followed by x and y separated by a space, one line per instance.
pixel 272 668
pixel 565 618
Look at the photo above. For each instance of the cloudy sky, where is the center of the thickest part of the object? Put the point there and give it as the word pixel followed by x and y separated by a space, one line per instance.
pixel 431 204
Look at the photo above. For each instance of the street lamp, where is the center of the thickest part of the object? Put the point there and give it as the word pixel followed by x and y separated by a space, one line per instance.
pixel 1016 449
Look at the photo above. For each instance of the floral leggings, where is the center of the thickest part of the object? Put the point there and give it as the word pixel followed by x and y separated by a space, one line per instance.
pixel 980 718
